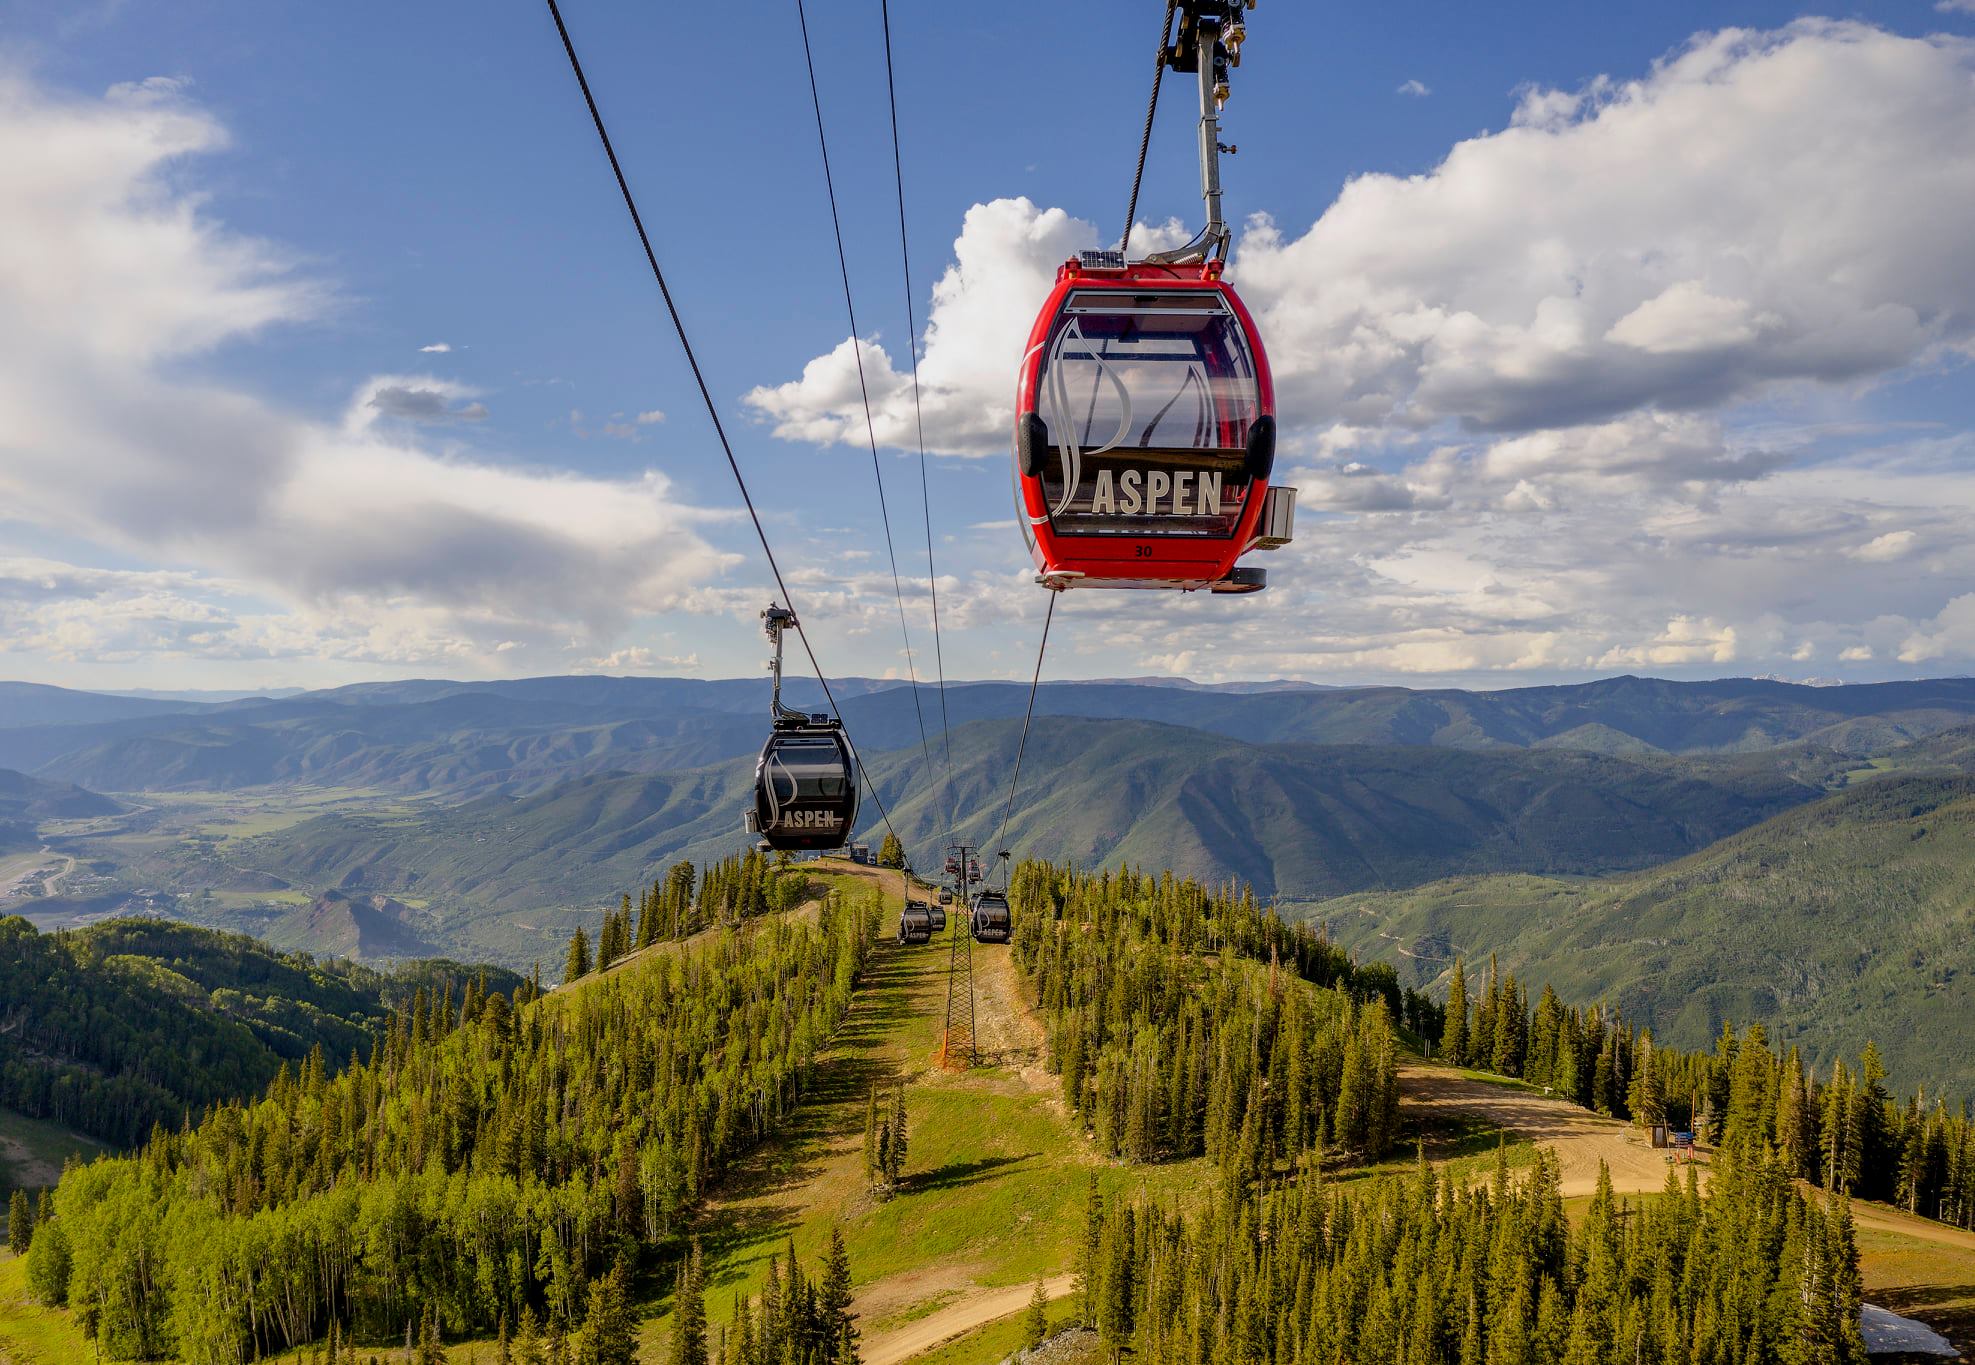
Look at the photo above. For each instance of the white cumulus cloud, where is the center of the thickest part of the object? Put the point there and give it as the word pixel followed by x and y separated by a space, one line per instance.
pixel 1005 261
pixel 113 279
pixel 1759 208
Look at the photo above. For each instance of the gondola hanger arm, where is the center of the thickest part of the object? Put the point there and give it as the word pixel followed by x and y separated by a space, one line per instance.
pixel 1208 45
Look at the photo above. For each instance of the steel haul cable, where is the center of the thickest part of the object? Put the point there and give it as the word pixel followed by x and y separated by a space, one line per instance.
pixel 1001 843
pixel 1145 138
pixel 918 416
pixel 864 393
pixel 706 394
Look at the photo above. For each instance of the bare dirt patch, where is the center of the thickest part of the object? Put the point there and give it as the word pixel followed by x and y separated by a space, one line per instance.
pixel 1580 1138
pixel 1006 1030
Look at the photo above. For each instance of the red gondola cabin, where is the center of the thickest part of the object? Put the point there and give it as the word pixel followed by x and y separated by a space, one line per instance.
pixel 1145 431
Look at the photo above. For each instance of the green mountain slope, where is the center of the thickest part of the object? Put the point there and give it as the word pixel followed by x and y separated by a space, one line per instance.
pixel 1848 919
pixel 1303 820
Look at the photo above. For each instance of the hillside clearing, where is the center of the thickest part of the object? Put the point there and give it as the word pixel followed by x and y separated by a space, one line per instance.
pixel 1580 1138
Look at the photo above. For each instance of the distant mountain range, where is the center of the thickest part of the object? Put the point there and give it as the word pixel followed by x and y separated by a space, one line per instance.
pixel 462 739
pixel 1302 819
pixel 482 819
pixel 32 704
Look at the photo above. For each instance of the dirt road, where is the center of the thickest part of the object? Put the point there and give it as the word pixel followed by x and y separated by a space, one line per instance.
pixel 1882 1219
pixel 957 1319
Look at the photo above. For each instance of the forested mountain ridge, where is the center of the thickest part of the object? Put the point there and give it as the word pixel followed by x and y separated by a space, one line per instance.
pixel 530 1162
pixel 1299 820
pixel 1172 1042
pixel 130 1023
pixel 1848 919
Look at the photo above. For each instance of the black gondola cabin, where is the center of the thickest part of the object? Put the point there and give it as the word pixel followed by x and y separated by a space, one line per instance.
pixel 805 787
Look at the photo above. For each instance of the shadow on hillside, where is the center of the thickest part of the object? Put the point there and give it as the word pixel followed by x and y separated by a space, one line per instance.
pixel 831 1108
pixel 956 1174
pixel 761 1228
pixel 1952 1306
pixel 1922 1296
pixel 1449 1136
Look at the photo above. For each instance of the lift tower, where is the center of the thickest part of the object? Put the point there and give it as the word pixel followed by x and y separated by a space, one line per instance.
pixel 963 872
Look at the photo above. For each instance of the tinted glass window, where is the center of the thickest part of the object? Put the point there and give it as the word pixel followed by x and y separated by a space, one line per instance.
pixel 1148 371
pixel 1147 398
pixel 807 770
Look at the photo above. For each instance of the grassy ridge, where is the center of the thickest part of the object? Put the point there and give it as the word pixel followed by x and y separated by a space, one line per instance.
pixel 996 1174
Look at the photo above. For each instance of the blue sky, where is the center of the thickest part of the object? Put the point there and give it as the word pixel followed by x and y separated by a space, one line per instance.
pixel 348 186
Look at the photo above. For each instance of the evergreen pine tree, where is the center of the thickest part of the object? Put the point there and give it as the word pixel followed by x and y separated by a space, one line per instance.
pixel 528 1339
pixel 872 1172
pixel 1454 1035
pixel 20 1223
pixel 1877 1149
pixel 688 1313
pixel 740 1348
pixel 430 1350
pixel 578 964
pixel 895 1169
pixel 839 1329
pixel 1481 1040
pixel 1088 1253
pixel 1838 1134
pixel 1647 1097
pixel 1035 1322
pixel 1115 1291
